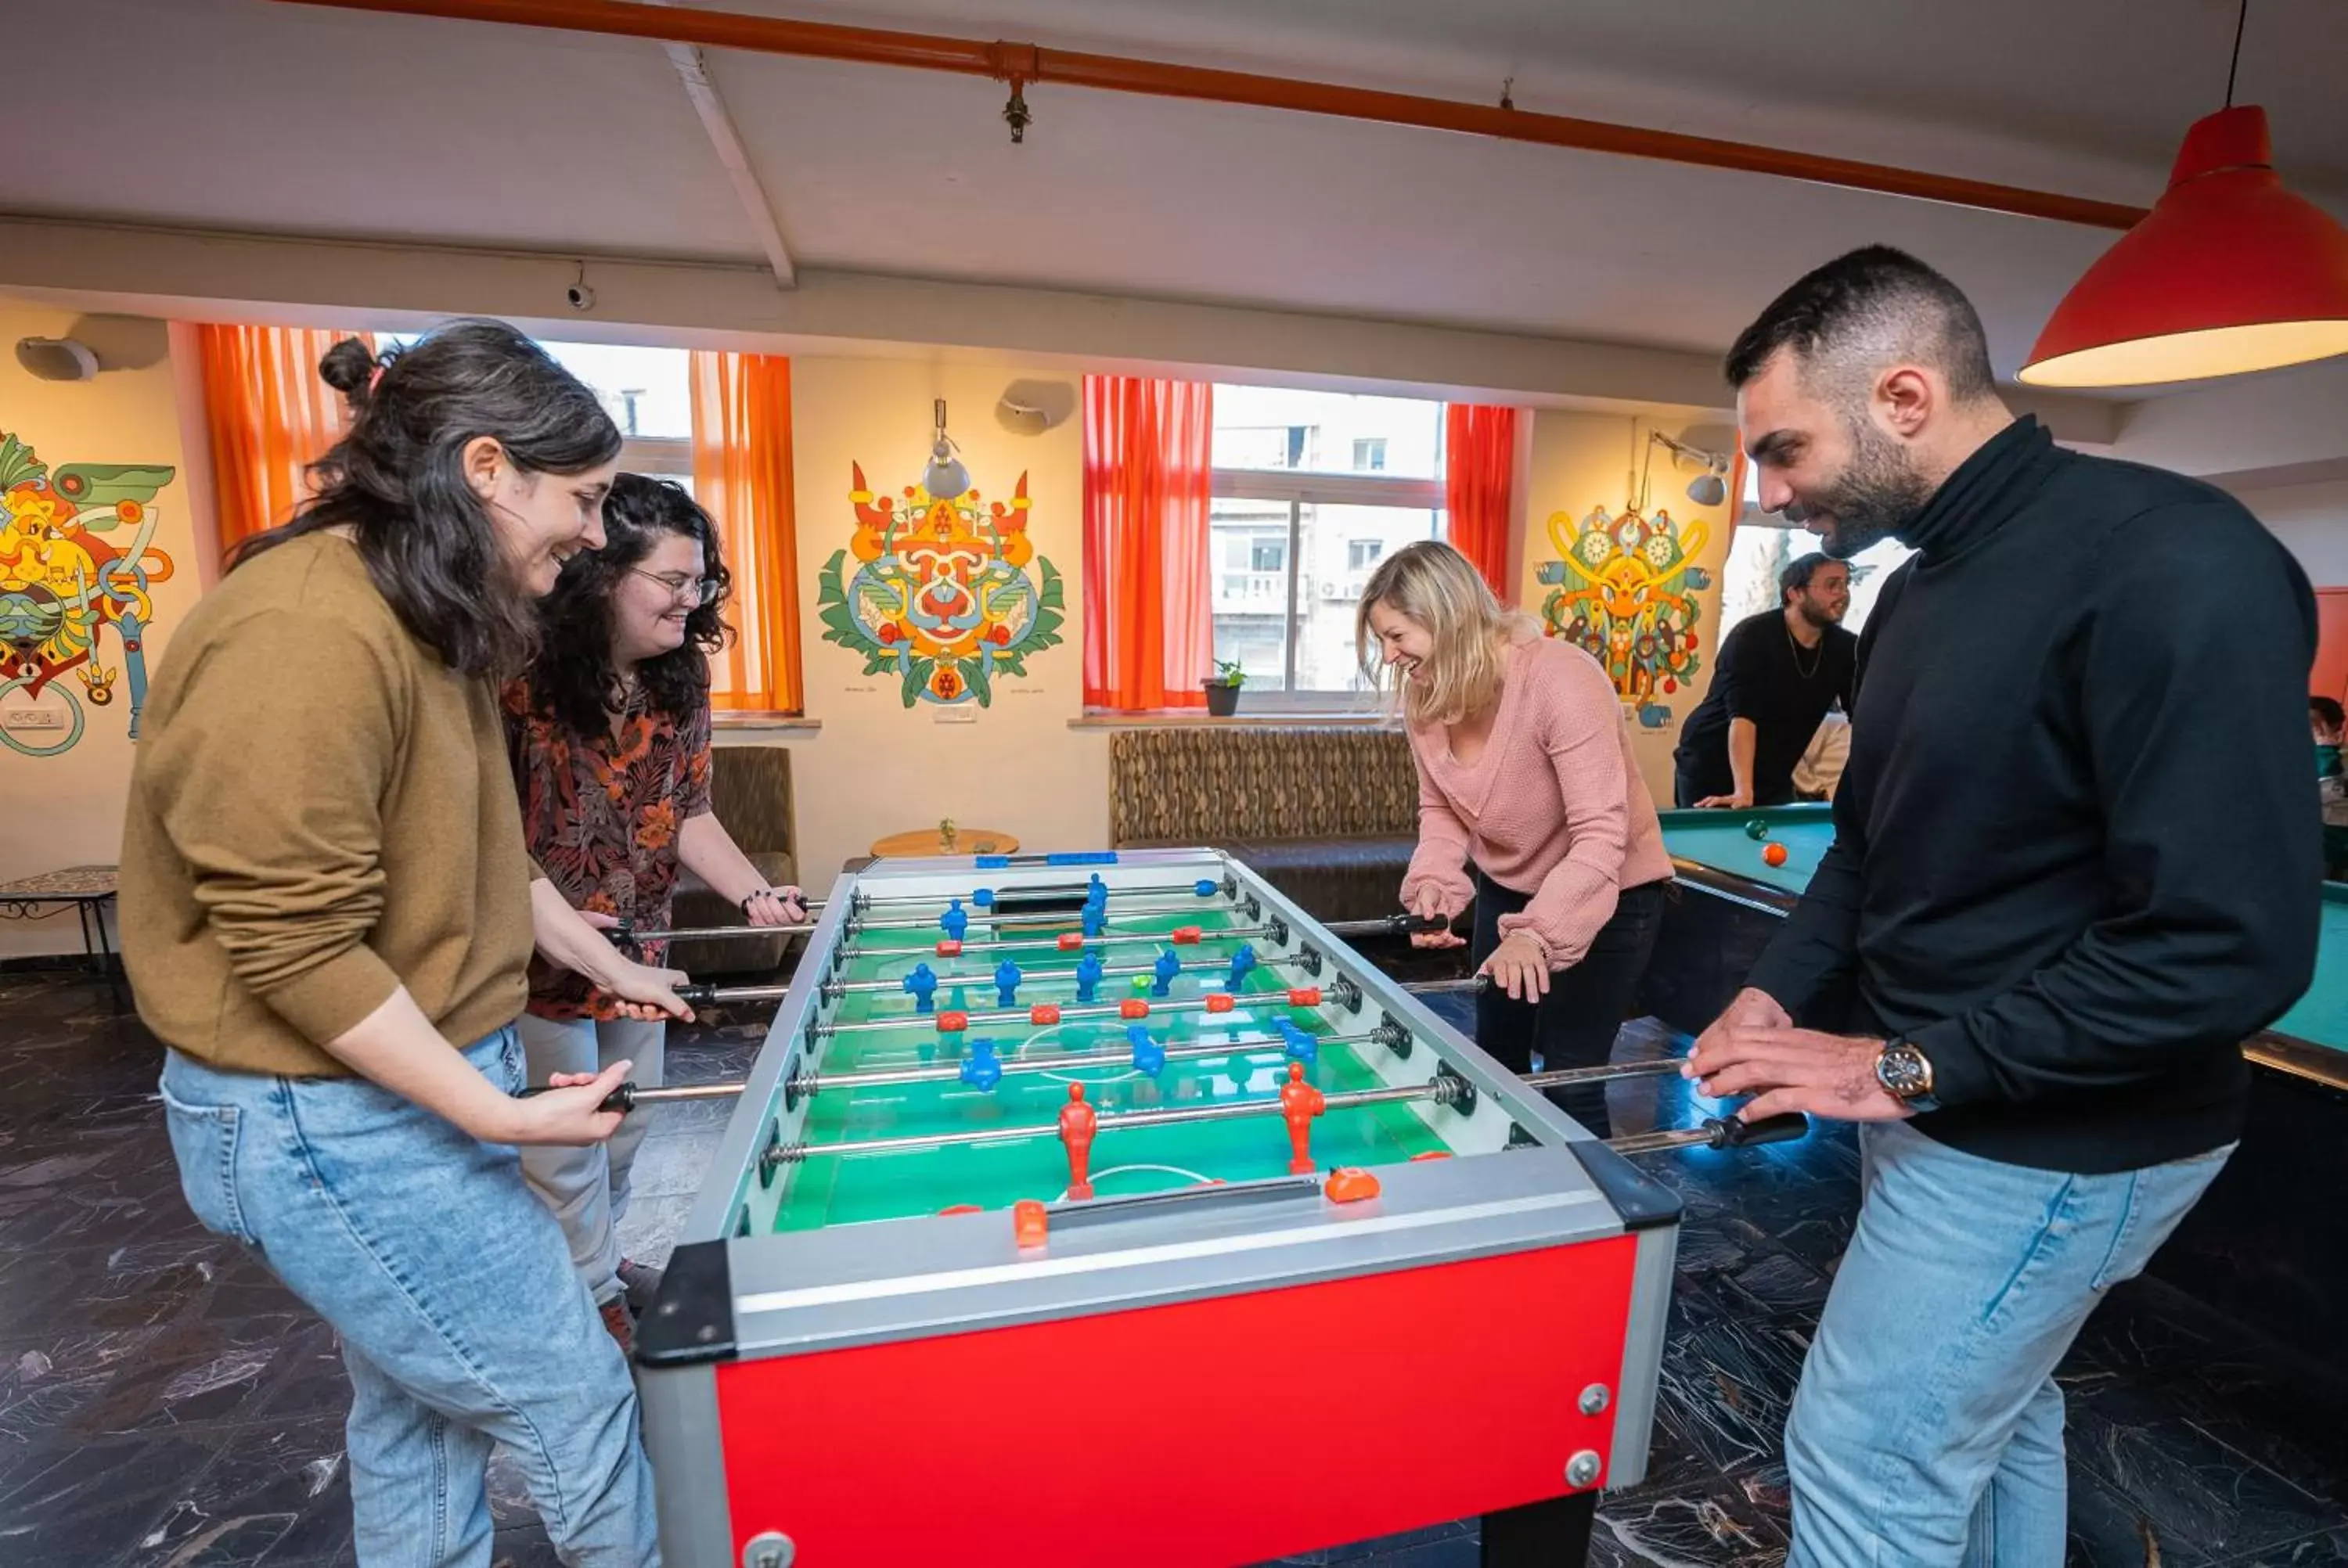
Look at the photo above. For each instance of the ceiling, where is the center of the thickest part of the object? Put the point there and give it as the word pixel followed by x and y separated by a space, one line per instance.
pixel 244 116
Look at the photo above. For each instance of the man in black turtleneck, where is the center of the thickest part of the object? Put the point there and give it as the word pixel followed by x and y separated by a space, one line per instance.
pixel 2075 862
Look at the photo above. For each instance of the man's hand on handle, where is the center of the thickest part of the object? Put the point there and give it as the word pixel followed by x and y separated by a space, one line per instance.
pixel 1754 1048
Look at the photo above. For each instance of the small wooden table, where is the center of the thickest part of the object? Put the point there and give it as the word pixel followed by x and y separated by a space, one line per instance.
pixel 929 841
pixel 88 889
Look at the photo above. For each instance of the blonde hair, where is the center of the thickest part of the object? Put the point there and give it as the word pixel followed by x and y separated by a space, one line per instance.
pixel 1468 627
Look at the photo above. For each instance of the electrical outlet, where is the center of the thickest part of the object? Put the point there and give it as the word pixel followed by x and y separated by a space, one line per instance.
pixel 33 718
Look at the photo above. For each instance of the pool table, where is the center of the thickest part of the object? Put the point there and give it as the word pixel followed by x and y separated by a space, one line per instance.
pixel 2256 1247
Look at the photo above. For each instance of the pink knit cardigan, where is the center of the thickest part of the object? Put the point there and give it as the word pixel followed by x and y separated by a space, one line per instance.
pixel 1554 806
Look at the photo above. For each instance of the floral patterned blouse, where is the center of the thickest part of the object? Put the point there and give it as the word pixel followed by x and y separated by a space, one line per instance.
pixel 602 814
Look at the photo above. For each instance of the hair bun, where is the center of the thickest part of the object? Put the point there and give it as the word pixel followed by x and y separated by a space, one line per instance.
pixel 349 368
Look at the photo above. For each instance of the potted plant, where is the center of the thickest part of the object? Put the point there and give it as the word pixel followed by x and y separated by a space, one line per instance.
pixel 1222 688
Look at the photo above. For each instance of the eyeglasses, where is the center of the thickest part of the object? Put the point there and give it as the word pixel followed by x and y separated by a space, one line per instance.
pixel 693 590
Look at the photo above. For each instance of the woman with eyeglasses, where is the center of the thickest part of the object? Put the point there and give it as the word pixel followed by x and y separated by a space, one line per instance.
pixel 609 735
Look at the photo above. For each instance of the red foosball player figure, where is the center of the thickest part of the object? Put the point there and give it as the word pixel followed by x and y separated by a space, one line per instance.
pixel 1077 1121
pixel 1299 1102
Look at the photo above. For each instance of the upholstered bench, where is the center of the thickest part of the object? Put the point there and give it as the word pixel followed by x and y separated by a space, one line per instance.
pixel 750 792
pixel 1328 814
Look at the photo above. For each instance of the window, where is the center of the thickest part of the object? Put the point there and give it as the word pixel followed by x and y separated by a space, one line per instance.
pixel 1293 541
pixel 648 392
pixel 1761 550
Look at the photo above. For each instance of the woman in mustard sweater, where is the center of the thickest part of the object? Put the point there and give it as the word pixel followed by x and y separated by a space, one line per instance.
pixel 328 913
pixel 1530 807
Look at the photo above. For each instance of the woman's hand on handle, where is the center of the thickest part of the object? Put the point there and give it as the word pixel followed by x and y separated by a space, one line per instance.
pixel 571 1111
pixel 1428 906
pixel 774 906
pixel 647 994
pixel 1519 966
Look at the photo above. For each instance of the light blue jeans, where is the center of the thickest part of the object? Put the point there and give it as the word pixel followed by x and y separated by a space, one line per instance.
pixel 461 1319
pixel 1927 1432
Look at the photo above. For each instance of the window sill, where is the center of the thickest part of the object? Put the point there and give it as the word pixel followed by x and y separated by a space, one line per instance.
pixel 1197 718
pixel 742 729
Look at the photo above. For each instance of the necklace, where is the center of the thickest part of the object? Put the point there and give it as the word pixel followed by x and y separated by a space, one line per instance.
pixel 627 696
pixel 1817 654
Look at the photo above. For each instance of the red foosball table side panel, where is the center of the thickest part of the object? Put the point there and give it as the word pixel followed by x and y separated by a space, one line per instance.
pixel 1221 1430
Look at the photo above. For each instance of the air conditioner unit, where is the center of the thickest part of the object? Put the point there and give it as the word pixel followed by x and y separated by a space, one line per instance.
pixel 1330 589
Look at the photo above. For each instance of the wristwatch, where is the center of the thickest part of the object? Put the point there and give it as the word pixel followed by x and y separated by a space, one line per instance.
pixel 1906 1074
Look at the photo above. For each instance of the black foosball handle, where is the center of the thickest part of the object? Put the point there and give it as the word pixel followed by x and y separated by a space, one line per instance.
pixel 1735 1132
pixel 622 1100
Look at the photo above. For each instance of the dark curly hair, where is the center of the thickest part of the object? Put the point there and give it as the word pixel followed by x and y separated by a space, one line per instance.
pixel 572 677
pixel 396 479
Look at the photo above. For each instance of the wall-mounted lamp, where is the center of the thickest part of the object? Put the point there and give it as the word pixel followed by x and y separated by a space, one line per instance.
pixel 945 477
pixel 1709 488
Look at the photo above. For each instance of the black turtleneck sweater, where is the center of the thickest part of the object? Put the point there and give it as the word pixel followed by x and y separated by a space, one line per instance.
pixel 2075 857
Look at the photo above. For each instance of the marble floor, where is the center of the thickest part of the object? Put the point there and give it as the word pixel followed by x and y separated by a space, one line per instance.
pixel 163 1403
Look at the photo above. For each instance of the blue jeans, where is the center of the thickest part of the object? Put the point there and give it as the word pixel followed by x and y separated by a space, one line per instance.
pixel 462 1322
pixel 1928 1428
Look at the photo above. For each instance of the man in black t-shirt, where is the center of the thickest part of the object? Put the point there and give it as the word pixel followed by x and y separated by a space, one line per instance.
pixel 1778 673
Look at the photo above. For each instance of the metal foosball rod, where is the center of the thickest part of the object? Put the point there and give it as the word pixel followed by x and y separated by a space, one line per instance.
pixel 623 934
pixel 1470 986
pixel 1716 1132
pixel 1043 1015
pixel 1440 1090
pixel 1071 941
pixel 882 1077
pixel 999 919
pixel 835 989
pixel 631 1096
pixel 1202 887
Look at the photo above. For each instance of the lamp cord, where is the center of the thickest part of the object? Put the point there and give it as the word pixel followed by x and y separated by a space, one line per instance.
pixel 2241 17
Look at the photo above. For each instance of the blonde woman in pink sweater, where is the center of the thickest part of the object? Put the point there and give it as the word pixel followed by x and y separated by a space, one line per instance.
pixel 1530 806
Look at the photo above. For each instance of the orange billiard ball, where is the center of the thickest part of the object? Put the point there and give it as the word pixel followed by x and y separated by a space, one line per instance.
pixel 1774 854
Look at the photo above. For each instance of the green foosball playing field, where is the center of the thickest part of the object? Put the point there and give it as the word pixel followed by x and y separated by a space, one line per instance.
pixel 892 1069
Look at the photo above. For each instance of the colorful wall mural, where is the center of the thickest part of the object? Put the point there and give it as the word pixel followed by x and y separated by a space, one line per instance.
pixel 76 562
pixel 1626 589
pixel 937 591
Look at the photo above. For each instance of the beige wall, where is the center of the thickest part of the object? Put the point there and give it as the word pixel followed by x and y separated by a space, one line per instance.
pixel 876 767
pixel 67 808
pixel 1581 461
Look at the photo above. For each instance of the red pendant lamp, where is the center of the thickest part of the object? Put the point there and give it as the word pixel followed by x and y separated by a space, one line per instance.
pixel 2230 272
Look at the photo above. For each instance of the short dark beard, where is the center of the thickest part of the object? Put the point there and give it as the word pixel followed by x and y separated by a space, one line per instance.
pixel 1818 618
pixel 1878 494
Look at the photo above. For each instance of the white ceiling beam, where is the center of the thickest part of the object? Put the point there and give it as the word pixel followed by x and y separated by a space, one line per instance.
pixel 692 72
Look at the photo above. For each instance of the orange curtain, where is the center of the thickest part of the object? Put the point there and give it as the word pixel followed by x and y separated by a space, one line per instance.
pixel 270 418
pixel 1480 469
pixel 742 475
pixel 1149 627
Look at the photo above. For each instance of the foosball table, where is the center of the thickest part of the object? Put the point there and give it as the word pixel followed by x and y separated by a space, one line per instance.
pixel 1106 1208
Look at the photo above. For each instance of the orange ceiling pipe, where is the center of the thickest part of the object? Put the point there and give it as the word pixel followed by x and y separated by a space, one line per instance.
pixel 1029 64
